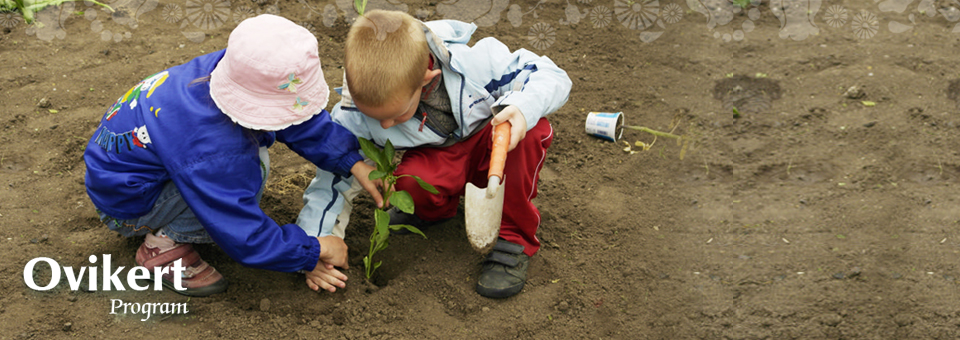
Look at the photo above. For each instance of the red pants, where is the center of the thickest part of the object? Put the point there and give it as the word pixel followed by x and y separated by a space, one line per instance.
pixel 450 168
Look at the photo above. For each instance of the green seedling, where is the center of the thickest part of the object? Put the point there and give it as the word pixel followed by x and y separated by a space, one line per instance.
pixel 361 6
pixel 401 199
pixel 741 3
pixel 27 8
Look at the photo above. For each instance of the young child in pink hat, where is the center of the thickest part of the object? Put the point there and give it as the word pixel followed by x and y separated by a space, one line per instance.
pixel 182 158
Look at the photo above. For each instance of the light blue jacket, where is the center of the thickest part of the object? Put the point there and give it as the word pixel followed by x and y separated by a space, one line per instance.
pixel 479 80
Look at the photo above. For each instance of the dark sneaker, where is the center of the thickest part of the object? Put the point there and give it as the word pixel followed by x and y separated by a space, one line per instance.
pixel 504 271
pixel 400 217
pixel 199 278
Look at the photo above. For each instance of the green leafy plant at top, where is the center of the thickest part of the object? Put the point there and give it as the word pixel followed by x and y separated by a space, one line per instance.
pixel 361 6
pixel 379 239
pixel 741 3
pixel 28 7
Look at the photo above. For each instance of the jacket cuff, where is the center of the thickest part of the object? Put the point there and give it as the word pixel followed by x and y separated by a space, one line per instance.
pixel 312 255
pixel 346 163
pixel 530 113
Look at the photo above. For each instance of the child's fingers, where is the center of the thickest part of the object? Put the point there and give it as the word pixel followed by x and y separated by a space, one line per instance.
pixel 371 188
pixel 518 129
pixel 333 272
pixel 502 116
pixel 312 286
pixel 322 283
pixel 331 280
pixel 516 134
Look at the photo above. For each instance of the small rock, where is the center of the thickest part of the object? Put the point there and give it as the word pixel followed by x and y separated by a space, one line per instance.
pixel 264 305
pixel 563 306
pixel 904 320
pixel 855 272
pixel 839 276
pixel 44 103
pixel 67 327
pixel 744 257
pixel 485 309
pixel 855 92
pixel 896 276
pixel 870 124
pixel 831 320
pixel 72 298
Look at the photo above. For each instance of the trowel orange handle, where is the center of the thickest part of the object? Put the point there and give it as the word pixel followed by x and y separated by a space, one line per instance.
pixel 498 156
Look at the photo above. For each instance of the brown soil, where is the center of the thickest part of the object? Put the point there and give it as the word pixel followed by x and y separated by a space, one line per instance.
pixel 812 215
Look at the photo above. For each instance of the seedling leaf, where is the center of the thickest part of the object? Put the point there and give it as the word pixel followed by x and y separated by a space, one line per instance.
pixel 388 152
pixel 383 245
pixel 376 174
pixel 361 6
pixel 411 228
pixel 426 186
pixel 382 220
pixel 403 201
pixel 372 151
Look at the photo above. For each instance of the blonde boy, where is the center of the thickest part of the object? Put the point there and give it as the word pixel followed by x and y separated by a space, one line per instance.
pixel 422 87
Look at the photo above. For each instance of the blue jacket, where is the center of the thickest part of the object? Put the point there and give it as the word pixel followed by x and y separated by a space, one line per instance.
pixel 167 128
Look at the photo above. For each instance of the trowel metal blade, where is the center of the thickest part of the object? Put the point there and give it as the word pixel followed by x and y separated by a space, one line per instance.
pixel 483 216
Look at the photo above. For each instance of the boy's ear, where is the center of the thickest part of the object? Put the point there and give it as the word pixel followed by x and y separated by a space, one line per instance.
pixel 429 75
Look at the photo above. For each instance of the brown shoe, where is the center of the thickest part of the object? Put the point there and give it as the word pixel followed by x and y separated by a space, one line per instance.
pixel 198 279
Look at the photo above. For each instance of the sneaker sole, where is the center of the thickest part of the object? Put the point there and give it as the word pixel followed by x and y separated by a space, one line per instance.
pixel 215 288
pixel 502 293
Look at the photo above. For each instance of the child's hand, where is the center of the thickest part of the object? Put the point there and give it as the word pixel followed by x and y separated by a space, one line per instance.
pixel 333 251
pixel 361 171
pixel 325 276
pixel 515 117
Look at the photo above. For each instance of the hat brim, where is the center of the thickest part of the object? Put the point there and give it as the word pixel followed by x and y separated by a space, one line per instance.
pixel 267 111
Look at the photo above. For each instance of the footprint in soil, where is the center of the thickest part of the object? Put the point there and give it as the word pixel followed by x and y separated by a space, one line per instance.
pixel 747 94
pixel 953 91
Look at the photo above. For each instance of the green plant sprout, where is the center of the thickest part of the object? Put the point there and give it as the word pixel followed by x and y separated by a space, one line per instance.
pixel 741 3
pixel 401 199
pixel 28 7
pixel 361 6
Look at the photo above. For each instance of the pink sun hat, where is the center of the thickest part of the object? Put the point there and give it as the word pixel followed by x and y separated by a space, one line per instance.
pixel 270 76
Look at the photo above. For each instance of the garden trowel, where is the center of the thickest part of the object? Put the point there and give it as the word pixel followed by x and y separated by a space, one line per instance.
pixel 483 208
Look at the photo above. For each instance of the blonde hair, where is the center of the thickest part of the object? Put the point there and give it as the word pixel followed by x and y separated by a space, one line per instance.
pixel 386 52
